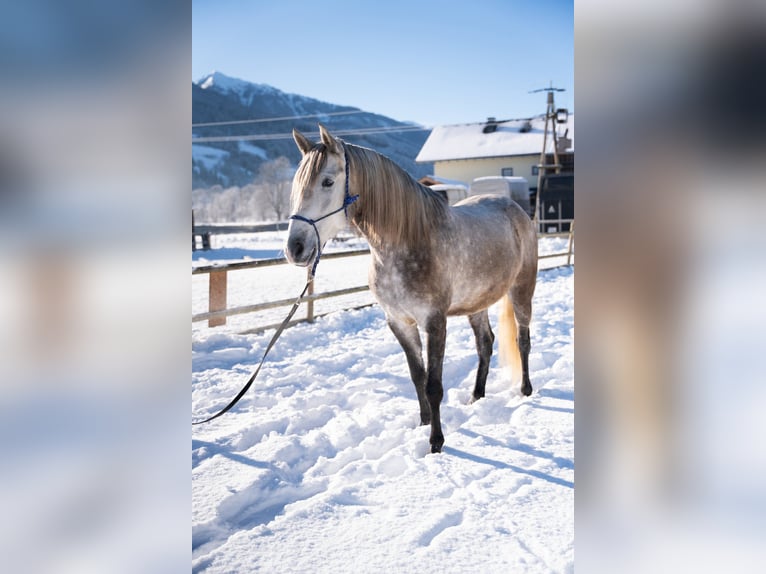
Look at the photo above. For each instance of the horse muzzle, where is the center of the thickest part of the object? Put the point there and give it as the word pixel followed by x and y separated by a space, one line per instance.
pixel 300 249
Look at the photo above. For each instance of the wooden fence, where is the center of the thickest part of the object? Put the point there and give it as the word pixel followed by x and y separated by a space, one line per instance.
pixel 218 280
pixel 205 231
pixel 217 290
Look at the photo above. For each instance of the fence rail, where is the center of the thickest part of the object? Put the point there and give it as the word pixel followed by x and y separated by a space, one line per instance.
pixel 218 280
pixel 227 228
pixel 202 269
pixel 207 230
pixel 217 289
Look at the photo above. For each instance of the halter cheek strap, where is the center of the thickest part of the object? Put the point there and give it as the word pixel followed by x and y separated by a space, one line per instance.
pixel 348 199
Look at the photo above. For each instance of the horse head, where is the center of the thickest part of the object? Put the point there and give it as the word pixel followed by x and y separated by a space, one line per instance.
pixel 319 197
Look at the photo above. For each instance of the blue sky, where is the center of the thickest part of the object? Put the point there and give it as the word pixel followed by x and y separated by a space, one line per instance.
pixel 430 62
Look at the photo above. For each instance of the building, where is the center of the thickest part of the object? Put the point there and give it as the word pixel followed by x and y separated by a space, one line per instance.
pixel 509 148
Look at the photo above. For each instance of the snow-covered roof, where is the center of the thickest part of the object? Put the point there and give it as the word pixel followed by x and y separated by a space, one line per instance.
pixel 468 141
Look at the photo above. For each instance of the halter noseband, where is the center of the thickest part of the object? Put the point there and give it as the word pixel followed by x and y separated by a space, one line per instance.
pixel 348 199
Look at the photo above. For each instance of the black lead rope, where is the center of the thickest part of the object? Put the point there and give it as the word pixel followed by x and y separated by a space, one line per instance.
pixel 274 338
pixel 348 200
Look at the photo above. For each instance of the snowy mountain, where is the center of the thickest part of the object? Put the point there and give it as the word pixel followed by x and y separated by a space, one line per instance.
pixel 220 98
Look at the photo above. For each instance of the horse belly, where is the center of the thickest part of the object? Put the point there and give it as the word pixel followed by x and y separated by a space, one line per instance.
pixel 483 267
pixel 477 299
pixel 476 287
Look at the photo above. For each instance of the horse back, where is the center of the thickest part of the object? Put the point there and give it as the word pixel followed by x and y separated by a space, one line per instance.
pixel 492 246
pixel 495 222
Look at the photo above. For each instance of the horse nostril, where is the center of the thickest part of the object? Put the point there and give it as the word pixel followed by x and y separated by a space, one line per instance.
pixel 296 247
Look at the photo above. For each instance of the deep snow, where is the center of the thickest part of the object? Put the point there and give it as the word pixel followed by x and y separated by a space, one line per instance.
pixel 322 467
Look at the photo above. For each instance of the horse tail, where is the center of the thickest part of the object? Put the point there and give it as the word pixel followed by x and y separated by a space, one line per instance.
pixel 510 357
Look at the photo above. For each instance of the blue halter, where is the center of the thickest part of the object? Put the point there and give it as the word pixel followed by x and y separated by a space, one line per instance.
pixel 347 200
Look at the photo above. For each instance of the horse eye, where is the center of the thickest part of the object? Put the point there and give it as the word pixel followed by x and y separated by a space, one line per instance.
pixel 327 182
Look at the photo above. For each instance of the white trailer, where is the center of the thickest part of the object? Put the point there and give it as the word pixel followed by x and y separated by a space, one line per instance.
pixel 517 188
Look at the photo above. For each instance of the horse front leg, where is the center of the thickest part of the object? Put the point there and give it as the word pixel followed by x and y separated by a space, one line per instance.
pixel 436 333
pixel 409 339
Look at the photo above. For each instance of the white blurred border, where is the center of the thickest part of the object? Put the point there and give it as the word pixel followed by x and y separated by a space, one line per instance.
pixel 669 287
pixel 94 211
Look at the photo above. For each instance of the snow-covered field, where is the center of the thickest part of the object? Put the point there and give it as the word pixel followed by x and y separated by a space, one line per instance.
pixel 322 467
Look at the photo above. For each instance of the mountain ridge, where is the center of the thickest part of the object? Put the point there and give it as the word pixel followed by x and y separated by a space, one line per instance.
pixel 219 100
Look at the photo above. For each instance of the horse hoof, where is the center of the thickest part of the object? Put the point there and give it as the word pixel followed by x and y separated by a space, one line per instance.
pixel 435 449
pixel 526 390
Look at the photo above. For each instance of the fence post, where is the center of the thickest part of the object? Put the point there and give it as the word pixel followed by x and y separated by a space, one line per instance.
pixel 571 241
pixel 217 297
pixel 310 304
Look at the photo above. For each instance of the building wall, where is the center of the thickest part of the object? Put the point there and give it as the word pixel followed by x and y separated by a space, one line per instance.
pixel 467 170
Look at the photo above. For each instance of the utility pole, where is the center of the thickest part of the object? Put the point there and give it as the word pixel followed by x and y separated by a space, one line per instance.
pixel 543 167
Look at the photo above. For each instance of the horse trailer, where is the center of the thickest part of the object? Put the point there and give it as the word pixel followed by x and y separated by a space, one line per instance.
pixel 517 188
pixel 452 193
pixel 557 202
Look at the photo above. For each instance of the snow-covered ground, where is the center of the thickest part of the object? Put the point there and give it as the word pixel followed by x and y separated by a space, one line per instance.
pixel 322 466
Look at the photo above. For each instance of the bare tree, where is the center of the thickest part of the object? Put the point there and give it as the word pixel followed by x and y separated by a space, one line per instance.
pixel 275 177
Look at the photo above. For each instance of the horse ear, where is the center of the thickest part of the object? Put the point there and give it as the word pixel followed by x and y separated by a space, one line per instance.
pixel 302 142
pixel 327 139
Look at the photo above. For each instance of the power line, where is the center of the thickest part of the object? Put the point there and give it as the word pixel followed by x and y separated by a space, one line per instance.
pixel 340 132
pixel 277 119
pixel 282 136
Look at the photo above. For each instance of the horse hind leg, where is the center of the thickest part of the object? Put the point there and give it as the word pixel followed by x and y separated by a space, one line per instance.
pixel 522 308
pixel 524 348
pixel 484 341
pixel 514 341
pixel 409 339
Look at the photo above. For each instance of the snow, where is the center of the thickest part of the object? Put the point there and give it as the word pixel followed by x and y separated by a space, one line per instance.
pixel 467 141
pixel 246 91
pixel 322 466
pixel 224 83
pixel 208 156
pixel 247 147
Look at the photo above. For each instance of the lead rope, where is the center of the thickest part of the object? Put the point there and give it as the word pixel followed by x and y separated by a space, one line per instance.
pixel 263 359
pixel 348 200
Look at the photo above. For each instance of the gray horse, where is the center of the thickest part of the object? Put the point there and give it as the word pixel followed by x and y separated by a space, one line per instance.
pixel 429 260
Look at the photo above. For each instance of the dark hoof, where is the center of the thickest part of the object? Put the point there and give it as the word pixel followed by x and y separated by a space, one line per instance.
pixel 436 444
pixel 435 448
pixel 424 422
pixel 526 389
pixel 474 398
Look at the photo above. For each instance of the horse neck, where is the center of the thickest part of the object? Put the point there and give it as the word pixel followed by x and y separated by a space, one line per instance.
pixel 394 210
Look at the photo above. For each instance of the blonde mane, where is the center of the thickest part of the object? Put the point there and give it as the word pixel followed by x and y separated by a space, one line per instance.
pixel 393 208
